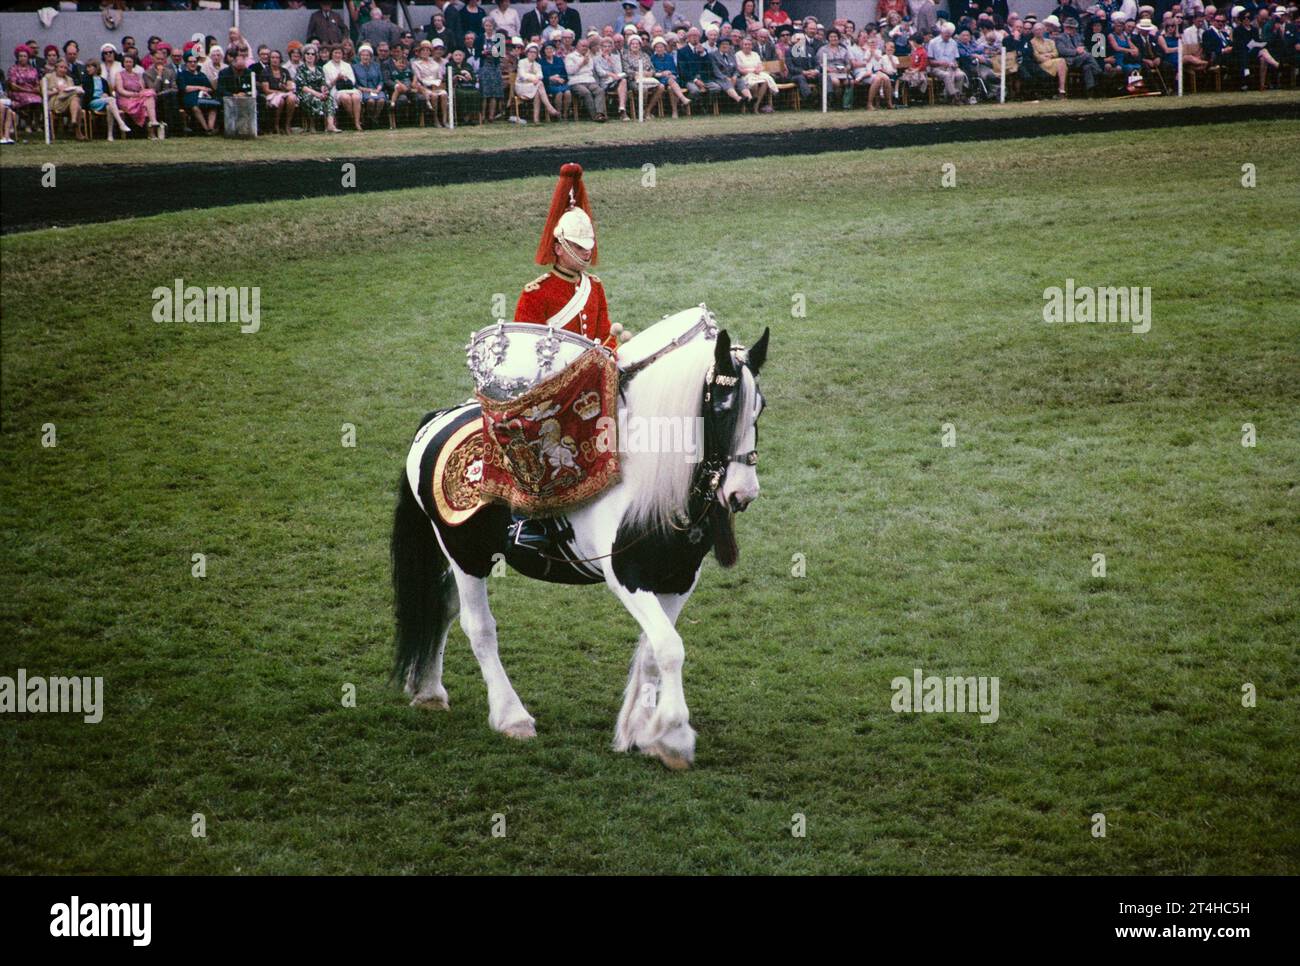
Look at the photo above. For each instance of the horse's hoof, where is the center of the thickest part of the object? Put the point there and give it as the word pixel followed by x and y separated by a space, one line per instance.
pixel 521 730
pixel 671 759
pixel 435 703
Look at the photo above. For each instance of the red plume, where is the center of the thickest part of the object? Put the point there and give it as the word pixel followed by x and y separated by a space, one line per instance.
pixel 570 192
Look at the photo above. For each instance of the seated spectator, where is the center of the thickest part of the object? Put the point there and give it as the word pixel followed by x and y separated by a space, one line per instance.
pixel 64 96
pixel 99 98
pixel 976 62
pixel 530 84
pixel 109 67
pixel 214 65
pixel 882 67
pixel 835 56
pixel 581 68
pixel 1070 46
pixel 802 65
pixel 427 79
pixel 1050 62
pixel 1193 51
pixel 916 75
pixel 398 83
pixel 294 50
pixel 8 117
pixel 464 84
pixel 23 80
pixel 756 79
pixel 370 84
pixel 726 75
pixel 774 16
pixel 1121 45
pixel 314 93
pixel 556 78
pixel 278 88
pixel 608 67
pixel 198 94
pixel 664 62
pixel 342 82
pixel 136 99
pixel 640 71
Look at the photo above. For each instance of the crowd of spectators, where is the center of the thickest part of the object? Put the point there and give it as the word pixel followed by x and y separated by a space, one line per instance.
pixel 498 63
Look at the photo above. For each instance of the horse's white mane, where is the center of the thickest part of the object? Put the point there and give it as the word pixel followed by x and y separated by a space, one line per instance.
pixel 659 483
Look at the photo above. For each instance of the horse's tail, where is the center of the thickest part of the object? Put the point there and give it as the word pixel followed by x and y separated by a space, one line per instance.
pixel 421 585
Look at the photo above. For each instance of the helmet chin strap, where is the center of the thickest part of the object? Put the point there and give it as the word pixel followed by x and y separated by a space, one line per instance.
pixel 577 254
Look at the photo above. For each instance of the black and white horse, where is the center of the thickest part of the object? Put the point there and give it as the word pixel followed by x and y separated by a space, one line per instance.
pixel 645 538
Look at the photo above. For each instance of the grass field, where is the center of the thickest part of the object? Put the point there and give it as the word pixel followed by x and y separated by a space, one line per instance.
pixel 1120 695
pixel 500 137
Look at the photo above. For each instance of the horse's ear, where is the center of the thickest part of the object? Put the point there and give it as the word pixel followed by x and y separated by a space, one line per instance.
pixel 722 364
pixel 758 354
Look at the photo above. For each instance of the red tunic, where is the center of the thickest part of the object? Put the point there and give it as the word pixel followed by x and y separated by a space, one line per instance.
pixel 546 295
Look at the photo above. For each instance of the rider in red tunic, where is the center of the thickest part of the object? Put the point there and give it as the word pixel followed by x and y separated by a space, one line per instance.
pixel 568 296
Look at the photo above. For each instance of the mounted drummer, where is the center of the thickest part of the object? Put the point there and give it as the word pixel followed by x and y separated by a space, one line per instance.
pixel 569 296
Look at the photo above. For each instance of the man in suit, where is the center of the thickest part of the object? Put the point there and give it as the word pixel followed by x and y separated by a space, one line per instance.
pixel 534 22
pixel 569 18
pixel 1216 41
pixel 326 25
pixel 1069 44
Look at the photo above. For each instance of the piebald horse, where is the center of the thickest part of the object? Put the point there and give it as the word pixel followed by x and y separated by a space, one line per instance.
pixel 645 538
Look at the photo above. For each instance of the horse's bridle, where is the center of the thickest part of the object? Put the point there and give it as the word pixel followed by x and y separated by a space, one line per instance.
pixel 713 470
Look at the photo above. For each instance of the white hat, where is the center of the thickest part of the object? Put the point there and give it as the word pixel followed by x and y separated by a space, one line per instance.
pixel 437 43
pixel 531 47
pixel 108 47
pixel 575 228
pixel 658 40
pixel 1051 19
pixel 630 29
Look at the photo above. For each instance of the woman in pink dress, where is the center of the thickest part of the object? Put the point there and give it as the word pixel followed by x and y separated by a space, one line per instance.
pixel 135 98
pixel 22 82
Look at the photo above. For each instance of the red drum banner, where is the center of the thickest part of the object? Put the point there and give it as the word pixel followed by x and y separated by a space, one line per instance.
pixel 555 446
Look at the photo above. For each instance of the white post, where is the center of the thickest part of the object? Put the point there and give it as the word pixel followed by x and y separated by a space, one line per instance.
pixel 825 81
pixel 234 7
pixel 1002 84
pixel 640 95
pixel 1180 65
pixel 449 74
pixel 45 106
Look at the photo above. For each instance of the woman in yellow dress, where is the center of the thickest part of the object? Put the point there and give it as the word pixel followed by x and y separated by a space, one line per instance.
pixel 1048 59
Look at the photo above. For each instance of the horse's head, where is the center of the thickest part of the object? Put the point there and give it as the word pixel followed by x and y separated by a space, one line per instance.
pixel 732 405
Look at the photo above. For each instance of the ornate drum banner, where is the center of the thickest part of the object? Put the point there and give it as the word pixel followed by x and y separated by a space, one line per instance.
pixel 555 446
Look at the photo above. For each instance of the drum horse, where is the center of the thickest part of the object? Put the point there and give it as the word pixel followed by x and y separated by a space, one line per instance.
pixel 645 537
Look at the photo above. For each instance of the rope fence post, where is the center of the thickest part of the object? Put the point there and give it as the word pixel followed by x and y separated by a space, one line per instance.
pixel 1180 65
pixel 825 81
pixel 1002 81
pixel 640 95
pixel 45 107
pixel 450 77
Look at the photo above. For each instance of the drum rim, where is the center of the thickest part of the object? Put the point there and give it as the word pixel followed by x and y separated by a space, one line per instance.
pixel 537 330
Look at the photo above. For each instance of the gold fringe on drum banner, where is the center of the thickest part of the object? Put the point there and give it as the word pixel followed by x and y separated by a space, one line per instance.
pixel 555 446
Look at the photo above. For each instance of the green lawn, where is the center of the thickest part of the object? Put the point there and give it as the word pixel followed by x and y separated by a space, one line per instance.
pixel 497 137
pixel 1119 695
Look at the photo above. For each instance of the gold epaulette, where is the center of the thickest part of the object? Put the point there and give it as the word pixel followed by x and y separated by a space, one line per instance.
pixel 536 283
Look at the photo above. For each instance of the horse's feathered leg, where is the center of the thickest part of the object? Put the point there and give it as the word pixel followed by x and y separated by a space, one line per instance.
pixel 506 713
pixel 667 733
pixel 641 696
